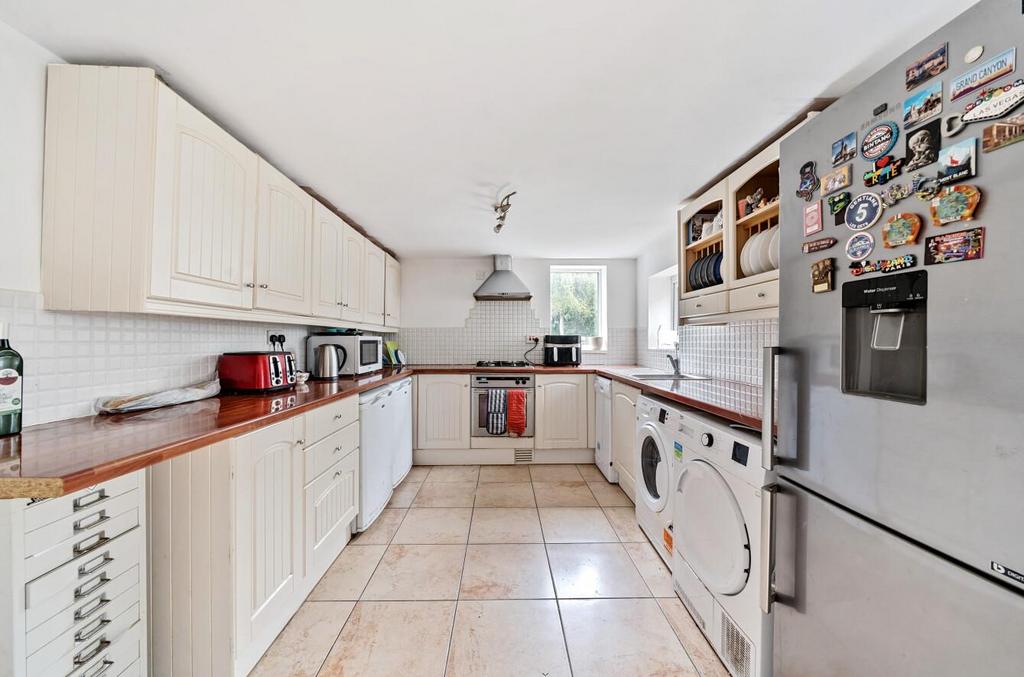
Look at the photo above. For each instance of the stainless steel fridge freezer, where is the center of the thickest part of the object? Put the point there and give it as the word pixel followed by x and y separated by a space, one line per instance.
pixel 916 454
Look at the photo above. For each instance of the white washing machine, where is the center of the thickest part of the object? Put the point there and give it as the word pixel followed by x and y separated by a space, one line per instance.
pixel 659 427
pixel 717 515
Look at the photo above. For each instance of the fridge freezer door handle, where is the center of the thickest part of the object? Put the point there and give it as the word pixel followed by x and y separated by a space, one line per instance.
pixel 768 408
pixel 767 547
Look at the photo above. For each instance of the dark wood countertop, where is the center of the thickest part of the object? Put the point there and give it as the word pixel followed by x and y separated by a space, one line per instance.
pixel 58 458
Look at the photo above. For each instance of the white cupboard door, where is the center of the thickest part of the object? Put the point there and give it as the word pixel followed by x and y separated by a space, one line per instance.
pixel 374 284
pixel 283 243
pixel 268 509
pixel 331 504
pixel 561 416
pixel 624 436
pixel 204 209
pixel 442 411
pixel 328 253
pixel 352 275
pixel 392 292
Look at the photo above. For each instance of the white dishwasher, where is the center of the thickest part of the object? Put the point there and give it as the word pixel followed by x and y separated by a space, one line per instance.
pixel 380 419
pixel 603 423
pixel 402 419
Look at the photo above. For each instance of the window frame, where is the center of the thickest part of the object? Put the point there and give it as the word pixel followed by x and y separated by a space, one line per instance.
pixel 662 287
pixel 594 344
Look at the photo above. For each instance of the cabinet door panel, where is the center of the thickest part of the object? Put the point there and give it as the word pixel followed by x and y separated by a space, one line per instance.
pixel 352 275
pixel 442 411
pixel 331 504
pixel 561 412
pixel 328 254
pixel 392 292
pixel 624 435
pixel 283 244
pixel 374 284
pixel 204 217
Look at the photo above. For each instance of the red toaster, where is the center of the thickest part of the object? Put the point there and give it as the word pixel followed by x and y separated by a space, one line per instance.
pixel 256 371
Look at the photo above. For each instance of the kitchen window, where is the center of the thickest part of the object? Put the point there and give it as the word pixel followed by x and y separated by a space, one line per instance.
pixel 662 309
pixel 579 304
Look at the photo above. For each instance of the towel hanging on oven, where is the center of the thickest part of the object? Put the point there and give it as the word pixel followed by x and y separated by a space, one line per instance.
pixel 497 411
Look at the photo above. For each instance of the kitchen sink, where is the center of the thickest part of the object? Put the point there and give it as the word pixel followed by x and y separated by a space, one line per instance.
pixel 669 377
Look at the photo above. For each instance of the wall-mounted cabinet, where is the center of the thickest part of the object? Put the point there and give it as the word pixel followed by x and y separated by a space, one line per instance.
pixel 149 206
pixel 392 292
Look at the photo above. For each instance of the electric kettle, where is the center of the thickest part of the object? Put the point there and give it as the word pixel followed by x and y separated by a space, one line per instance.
pixel 329 359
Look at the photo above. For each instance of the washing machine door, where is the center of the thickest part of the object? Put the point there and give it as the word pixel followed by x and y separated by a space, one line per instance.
pixel 652 468
pixel 710 532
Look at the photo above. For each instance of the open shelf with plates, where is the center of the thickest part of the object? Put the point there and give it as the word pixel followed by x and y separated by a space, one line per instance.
pixel 755 199
pixel 703 234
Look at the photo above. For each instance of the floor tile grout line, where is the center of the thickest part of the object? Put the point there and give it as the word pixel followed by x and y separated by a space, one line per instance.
pixel 337 638
pixel 554 588
pixel 462 575
pixel 679 639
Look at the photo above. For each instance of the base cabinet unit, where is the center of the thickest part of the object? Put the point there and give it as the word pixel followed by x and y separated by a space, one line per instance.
pixel 442 411
pixel 624 435
pixel 562 420
pixel 240 533
pixel 73 596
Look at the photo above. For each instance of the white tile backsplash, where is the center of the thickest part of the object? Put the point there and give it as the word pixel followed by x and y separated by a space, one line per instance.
pixel 732 351
pixel 71 359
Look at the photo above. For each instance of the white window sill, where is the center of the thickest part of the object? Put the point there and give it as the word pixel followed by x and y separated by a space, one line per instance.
pixel 595 352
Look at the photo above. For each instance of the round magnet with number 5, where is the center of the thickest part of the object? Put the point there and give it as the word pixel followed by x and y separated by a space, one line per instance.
pixel 863 211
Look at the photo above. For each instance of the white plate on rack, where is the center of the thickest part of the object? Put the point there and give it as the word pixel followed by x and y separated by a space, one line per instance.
pixel 745 256
pixel 773 248
pixel 764 247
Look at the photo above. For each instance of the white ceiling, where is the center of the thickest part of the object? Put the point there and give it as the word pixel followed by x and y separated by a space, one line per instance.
pixel 411 116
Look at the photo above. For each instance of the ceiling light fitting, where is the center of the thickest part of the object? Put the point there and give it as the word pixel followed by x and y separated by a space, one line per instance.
pixel 501 209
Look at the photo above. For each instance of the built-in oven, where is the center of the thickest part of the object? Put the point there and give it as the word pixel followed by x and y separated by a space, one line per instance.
pixel 484 385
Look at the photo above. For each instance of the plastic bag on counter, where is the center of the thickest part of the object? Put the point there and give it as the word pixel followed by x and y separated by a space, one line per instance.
pixel 164 398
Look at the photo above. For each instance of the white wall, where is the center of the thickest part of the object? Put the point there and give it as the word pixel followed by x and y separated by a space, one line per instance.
pixel 23 83
pixel 439 292
pixel 657 256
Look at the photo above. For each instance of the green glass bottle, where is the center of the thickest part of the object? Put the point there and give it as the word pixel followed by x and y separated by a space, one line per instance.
pixel 12 370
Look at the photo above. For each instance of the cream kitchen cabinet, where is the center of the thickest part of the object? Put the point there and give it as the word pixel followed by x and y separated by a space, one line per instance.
pixel 283 243
pixel 353 275
pixel 561 420
pixel 442 411
pixel 624 435
pixel 328 260
pixel 392 292
pixel 373 285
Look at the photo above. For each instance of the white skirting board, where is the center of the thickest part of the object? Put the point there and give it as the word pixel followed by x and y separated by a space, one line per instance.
pixel 499 456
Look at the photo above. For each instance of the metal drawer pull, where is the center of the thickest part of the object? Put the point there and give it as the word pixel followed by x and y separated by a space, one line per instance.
pixel 104 560
pixel 103 667
pixel 339 416
pixel 84 657
pixel 337 474
pixel 336 450
pixel 84 545
pixel 761 294
pixel 85 635
pixel 95 497
pixel 96 520
pixel 92 607
pixel 87 589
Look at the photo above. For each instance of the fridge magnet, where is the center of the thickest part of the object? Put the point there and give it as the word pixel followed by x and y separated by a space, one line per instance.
pixel 879 140
pixel 924 187
pixel 835 180
pixel 963 245
pixel 886 169
pixel 812 218
pixel 837 205
pixel 923 145
pixel 893 193
pixel 860 246
pixel 952 125
pixel 974 53
pixel 809 181
pixel 821 275
pixel 922 106
pixel 858 268
pixel 819 245
pixel 901 229
pixel 1000 134
pixel 845 149
pixel 955 203
pixel 995 102
pixel 863 211
pixel 957 162
pixel 993 69
pixel 928 66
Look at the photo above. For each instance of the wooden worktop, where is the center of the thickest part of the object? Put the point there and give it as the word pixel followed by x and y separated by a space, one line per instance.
pixel 58 458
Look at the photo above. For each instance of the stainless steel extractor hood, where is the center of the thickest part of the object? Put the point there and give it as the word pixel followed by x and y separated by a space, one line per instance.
pixel 503 284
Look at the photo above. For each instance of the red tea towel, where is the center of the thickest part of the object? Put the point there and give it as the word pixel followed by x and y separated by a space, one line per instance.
pixel 516 412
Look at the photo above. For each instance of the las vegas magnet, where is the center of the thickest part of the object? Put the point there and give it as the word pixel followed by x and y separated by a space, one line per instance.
pixel 994 103
pixel 863 211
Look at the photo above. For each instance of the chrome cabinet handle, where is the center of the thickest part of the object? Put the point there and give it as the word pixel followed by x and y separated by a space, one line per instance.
pixel 84 546
pixel 85 523
pixel 700 305
pixel 104 560
pixel 767 547
pixel 92 607
pixel 86 589
pixel 250 285
pixel 761 294
pixel 84 656
pixel 336 450
pixel 337 474
pixel 300 442
pixel 83 502
pixel 264 286
pixel 103 667
pixel 768 407
pixel 93 629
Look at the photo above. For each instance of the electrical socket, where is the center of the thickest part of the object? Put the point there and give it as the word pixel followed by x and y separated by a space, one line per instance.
pixel 273 337
pixel 533 340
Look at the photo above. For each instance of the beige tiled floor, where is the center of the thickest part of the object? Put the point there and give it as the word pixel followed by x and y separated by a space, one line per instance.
pixel 465 575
